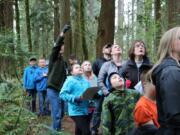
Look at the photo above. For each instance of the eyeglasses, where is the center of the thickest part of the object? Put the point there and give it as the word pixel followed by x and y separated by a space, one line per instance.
pixel 139 45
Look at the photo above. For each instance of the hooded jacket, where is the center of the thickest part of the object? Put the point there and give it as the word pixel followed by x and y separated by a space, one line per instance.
pixel 74 87
pixel 29 77
pixel 166 77
pixel 131 72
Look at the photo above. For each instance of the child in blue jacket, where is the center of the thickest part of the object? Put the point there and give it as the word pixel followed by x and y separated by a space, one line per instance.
pixel 41 86
pixel 29 84
pixel 71 92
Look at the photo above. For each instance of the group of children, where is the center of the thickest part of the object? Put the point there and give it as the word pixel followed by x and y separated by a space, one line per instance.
pixel 35 82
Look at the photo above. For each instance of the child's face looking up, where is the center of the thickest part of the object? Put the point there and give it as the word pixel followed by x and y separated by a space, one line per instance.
pixel 117 81
pixel 76 69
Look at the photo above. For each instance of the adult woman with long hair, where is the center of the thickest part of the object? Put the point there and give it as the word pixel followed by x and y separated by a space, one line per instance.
pixel 137 63
pixel 166 77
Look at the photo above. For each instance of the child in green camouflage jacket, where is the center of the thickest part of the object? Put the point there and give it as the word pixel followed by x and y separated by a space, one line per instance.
pixel 117 113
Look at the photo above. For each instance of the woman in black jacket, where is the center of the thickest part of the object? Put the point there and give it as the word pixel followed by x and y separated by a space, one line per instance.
pixel 137 63
pixel 166 77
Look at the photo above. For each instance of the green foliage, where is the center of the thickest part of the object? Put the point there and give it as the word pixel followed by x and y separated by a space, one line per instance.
pixel 6 43
pixel 15 119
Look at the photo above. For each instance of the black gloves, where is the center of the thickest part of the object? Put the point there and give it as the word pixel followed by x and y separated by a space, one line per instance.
pixel 66 28
pixel 78 100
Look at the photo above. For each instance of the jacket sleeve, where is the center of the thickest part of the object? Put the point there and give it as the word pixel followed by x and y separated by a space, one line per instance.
pixel 170 93
pixel 38 76
pixel 102 77
pixel 56 48
pixel 106 119
pixel 95 68
pixel 65 93
pixel 122 71
pixel 24 78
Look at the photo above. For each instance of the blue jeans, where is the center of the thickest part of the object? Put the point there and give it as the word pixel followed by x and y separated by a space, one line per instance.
pixel 32 94
pixel 56 108
pixel 96 118
pixel 43 102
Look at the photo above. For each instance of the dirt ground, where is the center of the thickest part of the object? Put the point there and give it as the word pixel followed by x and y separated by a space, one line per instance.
pixel 68 125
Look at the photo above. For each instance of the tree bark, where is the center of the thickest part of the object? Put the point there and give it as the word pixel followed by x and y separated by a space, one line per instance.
pixel 6 15
pixel 6 23
pixel 173 13
pixel 82 29
pixel 133 33
pixel 120 21
pixel 56 19
pixel 6 32
pixel 90 8
pixel 28 26
pixel 65 19
pixel 158 24
pixel 18 34
pixel 105 32
pixel 17 22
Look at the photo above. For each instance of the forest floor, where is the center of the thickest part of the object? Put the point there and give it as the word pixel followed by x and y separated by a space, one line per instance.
pixel 68 125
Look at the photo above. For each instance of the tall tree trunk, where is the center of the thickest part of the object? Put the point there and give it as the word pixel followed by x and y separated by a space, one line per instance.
pixel 65 17
pixel 18 47
pixel 56 19
pixel 140 33
pixel 158 24
pixel 37 28
pixel 36 41
pixel 120 22
pixel 105 32
pixel 173 13
pixel 133 2
pixel 17 22
pixel 147 21
pixel 6 35
pixel 82 28
pixel 28 25
pixel 128 28
pixel 6 15
pixel 6 23
pixel 90 8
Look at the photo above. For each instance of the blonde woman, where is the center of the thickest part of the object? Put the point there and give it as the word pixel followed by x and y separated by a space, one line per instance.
pixel 166 77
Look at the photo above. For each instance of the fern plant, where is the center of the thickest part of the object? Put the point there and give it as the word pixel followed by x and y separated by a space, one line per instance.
pixel 15 118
